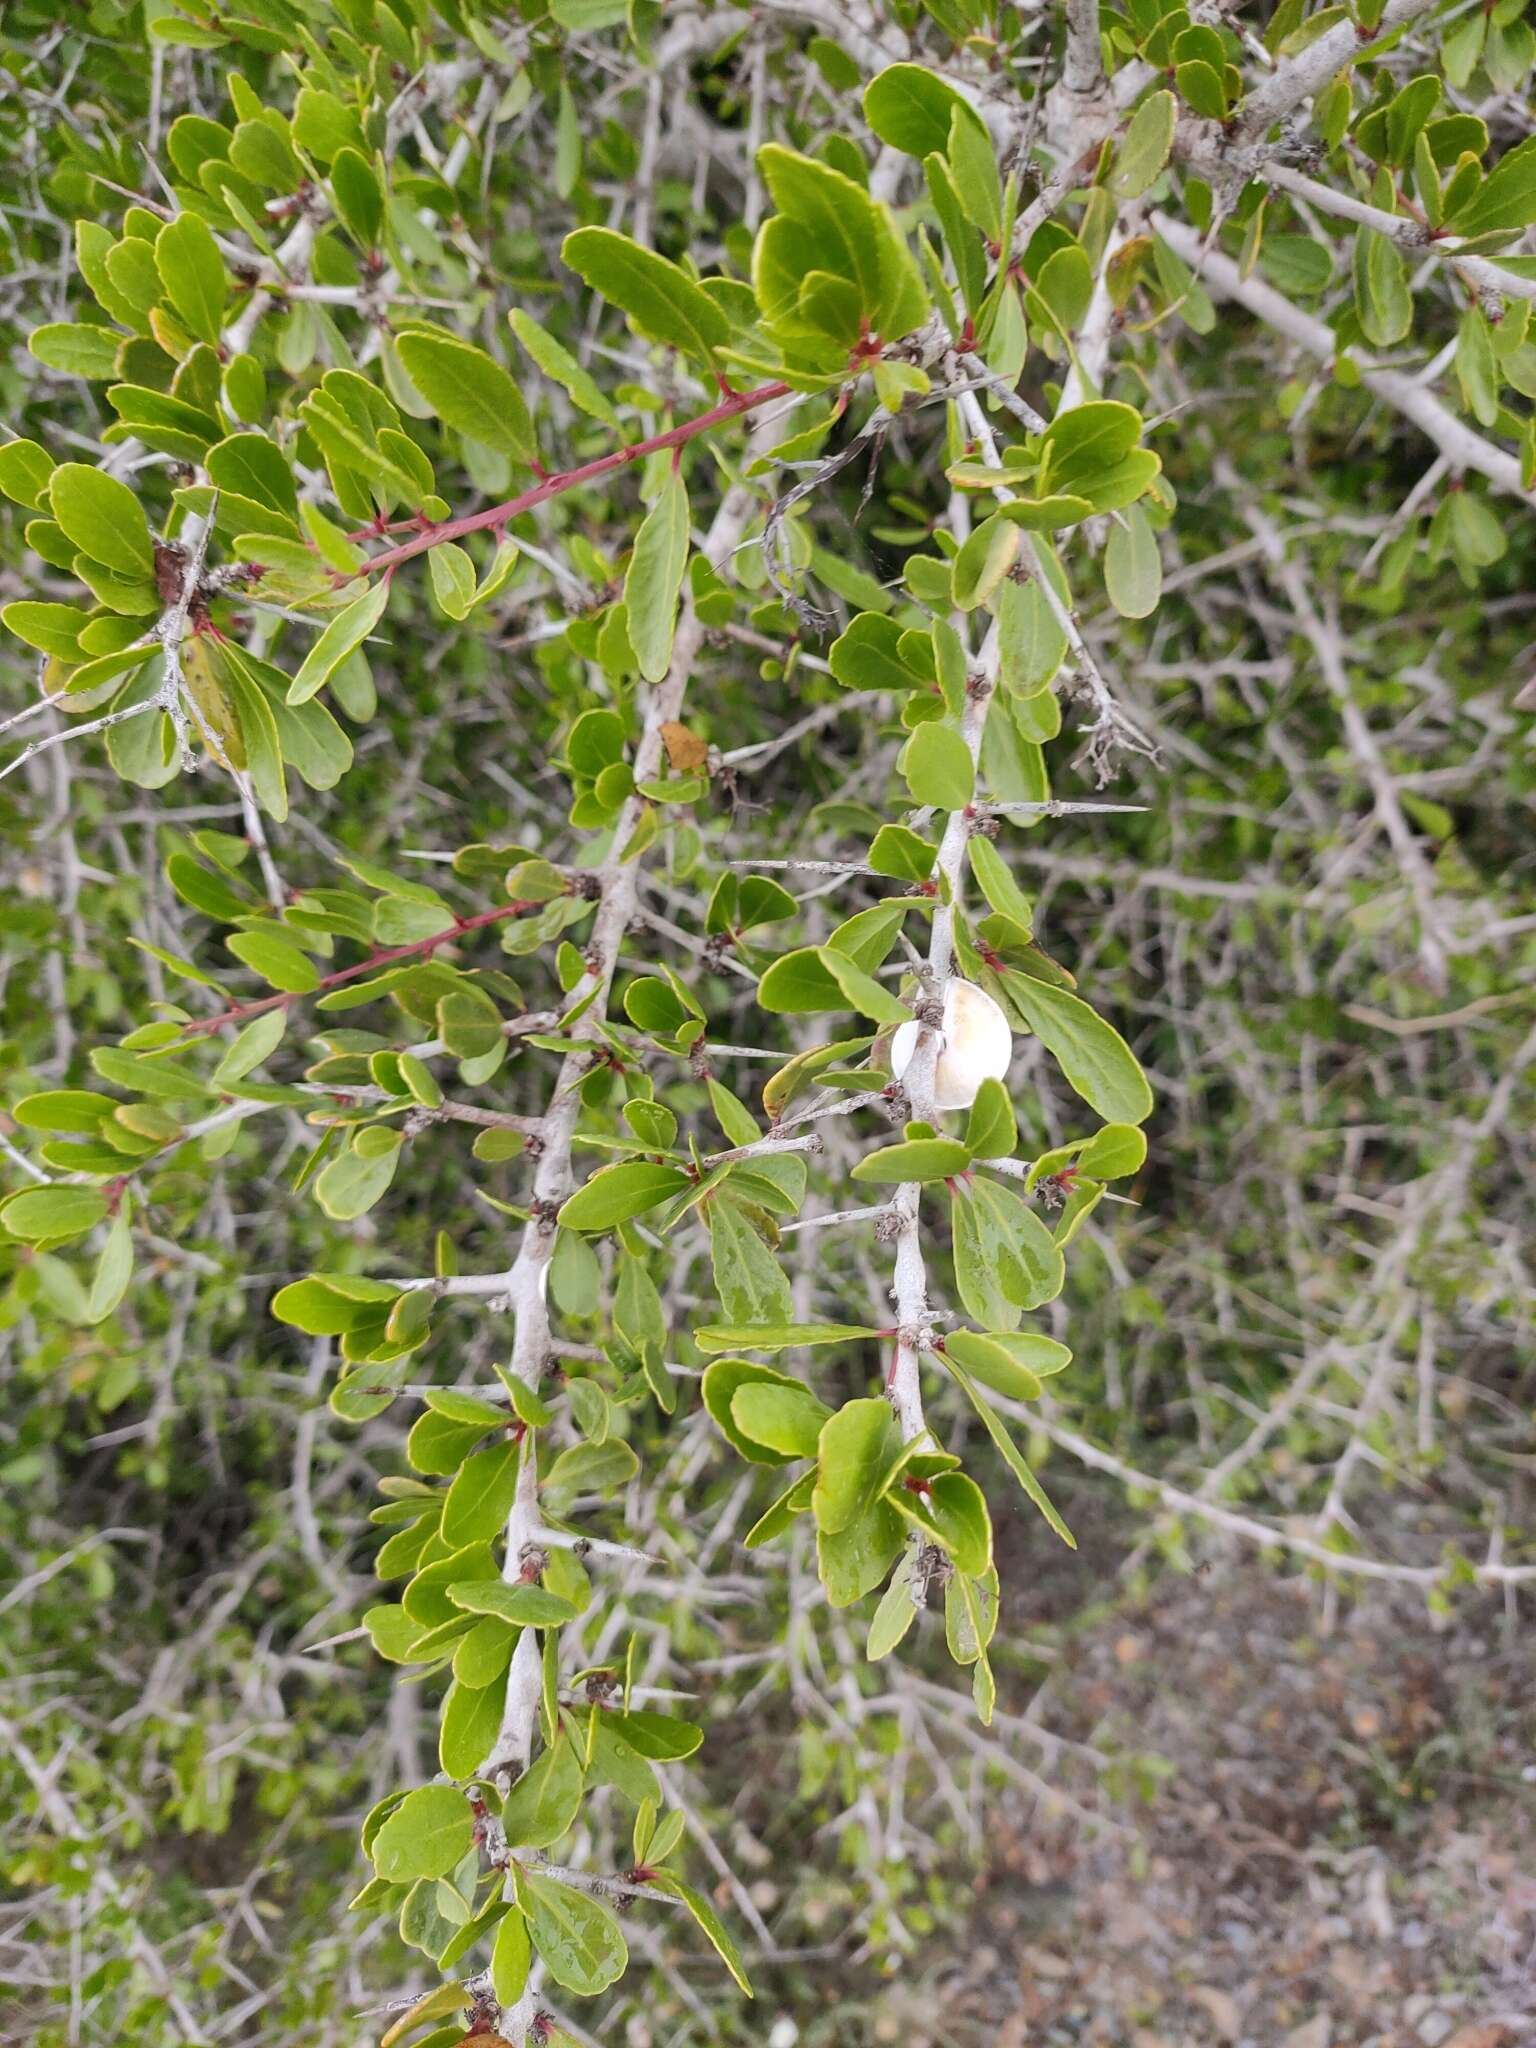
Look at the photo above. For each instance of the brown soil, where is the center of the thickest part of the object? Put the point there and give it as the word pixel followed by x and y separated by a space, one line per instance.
pixel 1310 1841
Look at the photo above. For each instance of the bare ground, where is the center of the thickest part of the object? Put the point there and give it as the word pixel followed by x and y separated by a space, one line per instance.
pixel 1339 1849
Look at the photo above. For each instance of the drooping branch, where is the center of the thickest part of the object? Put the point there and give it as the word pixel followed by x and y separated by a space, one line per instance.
pixel 526 1282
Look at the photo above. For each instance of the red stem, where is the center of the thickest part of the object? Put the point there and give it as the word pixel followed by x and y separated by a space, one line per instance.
pixel 729 408
pixel 239 1012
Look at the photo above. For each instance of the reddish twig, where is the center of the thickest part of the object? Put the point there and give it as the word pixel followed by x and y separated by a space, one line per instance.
pixel 238 1013
pixel 729 408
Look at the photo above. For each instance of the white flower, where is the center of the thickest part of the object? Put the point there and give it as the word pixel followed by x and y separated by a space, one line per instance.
pixel 975 1045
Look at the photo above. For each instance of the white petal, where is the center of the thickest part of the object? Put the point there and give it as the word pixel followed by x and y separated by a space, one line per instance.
pixel 975 1045
pixel 950 1089
pixel 903 1045
pixel 978 1046
pixel 976 1029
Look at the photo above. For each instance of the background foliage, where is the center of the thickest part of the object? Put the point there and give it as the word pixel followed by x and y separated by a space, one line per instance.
pixel 1299 647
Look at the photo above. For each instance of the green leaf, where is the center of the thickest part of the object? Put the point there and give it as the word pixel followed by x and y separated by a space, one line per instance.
pixel 953 1514
pixel 1133 568
pixel 257 721
pixel 997 883
pixel 511 1957
pixel 655 576
pixel 347 631
pixel 910 107
pixel 193 273
pixel 988 553
pixel 1062 290
pixel 800 981
pixel 595 741
pixel 468 391
pixel 562 368
pixel 348 1185
pixel 1114 1152
pixel 329 1307
pixel 904 854
pixel 78 349
pixel 429 1832
pixel 1094 1059
pixel 260 1038
pixel 749 1280
pixel 276 961
pixel 856 1448
pixel 970 1615
pixel 990 1131
pixel 1080 446
pixel 1505 202
pixel 50 1215
pixel 865 657
pixel 155 1076
pixel 829 224
pixel 778 1336
pixel 721 1384
pixel 250 467
pixel 853 1561
pixel 938 767
pixel 662 301
pixel 468 1023
pixel 359 201
pixel 25 468
pixel 261 151
pixel 481 1495
pixel 1201 86
pixel 51 628
pixel 1382 298
pixel 795 1500
pixel 592 1468
pixel 1146 148
pixel 453 579
pixel 1005 1258
pixel 973 169
pixel 483 1654
pixel 714 1929
pixel 860 991
pixel 997 1361
pixel 1014 1458
pixel 393 1632
pixel 62 1109
pixel 615 1193
pixel 579 1938
pixel 783 1418
pixel 897 1610
pixel 471 1715
pixel 103 518
pixel 917 1159
pixel 527 1606
pixel 114 1269
pixel 614 1762
pixel 544 1803
pixel 1476 367
pixel 663 1737
pixel 431 1598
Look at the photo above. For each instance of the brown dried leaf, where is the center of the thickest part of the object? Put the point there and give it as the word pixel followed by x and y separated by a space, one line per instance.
pixel 685 750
